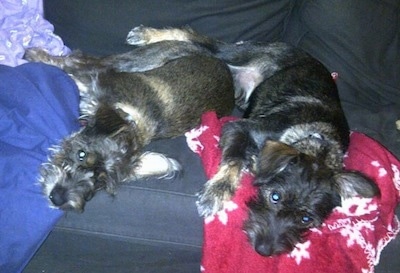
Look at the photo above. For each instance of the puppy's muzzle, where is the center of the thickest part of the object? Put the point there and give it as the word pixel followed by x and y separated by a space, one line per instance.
pixel 59 196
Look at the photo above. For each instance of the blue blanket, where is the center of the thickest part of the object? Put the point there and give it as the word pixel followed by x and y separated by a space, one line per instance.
pixel 38 107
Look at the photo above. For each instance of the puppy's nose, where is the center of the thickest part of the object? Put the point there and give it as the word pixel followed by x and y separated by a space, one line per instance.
pixel 264 249
pixel 58 196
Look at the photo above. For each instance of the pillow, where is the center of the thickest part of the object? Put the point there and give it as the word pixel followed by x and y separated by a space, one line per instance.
pixel 38 106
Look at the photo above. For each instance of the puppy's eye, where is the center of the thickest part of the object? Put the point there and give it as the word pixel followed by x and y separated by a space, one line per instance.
pixel 275 197
pixel 306 220
pixel 81 155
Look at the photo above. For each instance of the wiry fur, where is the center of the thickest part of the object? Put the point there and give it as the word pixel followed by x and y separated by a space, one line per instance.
pixel 124 110
pixel 293 138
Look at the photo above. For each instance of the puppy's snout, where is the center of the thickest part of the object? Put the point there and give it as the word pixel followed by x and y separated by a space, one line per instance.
pixel 269 248
pixel 58 196
pixel 264 249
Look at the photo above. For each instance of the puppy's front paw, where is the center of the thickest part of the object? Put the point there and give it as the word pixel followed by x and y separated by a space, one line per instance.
pixel 213 197
pixel 140 36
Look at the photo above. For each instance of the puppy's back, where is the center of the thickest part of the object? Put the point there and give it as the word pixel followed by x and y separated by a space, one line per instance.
pixel 173 97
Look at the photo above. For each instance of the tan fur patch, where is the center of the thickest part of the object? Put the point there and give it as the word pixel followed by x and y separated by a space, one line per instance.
pixel 158 35
pixel 142 121
pixel 161 87
pixel 228 172
pixel 156 165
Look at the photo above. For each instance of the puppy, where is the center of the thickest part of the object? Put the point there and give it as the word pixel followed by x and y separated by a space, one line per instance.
pixel 124 109
pixel 292 138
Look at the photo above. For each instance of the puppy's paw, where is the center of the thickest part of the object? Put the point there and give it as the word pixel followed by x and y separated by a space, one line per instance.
pixel 212 198
pixel 140 36
pixel 156 165
pixel 36 54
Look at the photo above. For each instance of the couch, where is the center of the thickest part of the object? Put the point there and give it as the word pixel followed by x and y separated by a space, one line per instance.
pixel 152 225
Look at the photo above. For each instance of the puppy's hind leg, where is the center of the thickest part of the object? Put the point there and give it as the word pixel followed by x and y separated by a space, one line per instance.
pixel 35 54
pixel 74 62
pixel 142 35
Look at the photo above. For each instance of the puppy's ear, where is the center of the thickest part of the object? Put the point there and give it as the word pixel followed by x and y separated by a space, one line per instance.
pixel 352 183
pixel 108 121
pixel 274 158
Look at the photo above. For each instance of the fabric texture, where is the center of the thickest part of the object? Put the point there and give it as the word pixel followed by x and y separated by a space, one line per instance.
pixel 353 236
pixel 88 29
pixel 38 107
pixel 21 26
pixel 83 252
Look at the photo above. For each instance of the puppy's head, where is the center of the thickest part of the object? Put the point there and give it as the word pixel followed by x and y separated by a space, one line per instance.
pixel 295 192
pixel 85 163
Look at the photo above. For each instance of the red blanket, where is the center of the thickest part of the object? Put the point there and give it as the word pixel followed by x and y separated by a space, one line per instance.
pixel 350 240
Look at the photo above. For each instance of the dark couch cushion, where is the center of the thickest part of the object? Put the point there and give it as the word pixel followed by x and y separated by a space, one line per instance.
pixel 360 40
pixel 68 251
pixel 99 27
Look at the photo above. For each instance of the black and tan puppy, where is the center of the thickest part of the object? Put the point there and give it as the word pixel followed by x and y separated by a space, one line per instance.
pixel 124 110
pixel 293 138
